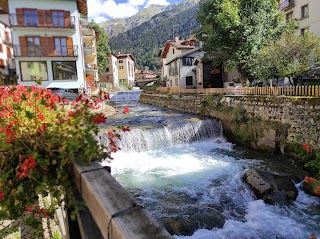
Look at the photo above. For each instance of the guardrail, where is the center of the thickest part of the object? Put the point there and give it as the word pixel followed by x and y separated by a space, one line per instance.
pixel 311 90
pixel 117 214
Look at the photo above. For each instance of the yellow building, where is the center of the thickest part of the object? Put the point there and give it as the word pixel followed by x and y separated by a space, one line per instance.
pixel 306 11
pixel 125 64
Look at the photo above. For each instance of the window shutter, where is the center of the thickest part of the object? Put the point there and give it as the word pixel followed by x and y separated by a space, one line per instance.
pixel 48 18
pixel 9 55
pixel 44 46
pixel 67 19
pixel 41 18
pixel 50 46
pixel 20 16
pixel 70 47
pixel 23 46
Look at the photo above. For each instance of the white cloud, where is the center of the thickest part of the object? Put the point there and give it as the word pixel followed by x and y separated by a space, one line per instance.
pixel 136 2
pixel 104 9
pixel 160 2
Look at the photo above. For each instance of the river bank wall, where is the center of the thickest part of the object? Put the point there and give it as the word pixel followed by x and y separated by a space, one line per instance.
pixel 266 123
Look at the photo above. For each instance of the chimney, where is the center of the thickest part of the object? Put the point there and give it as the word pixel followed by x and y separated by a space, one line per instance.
pixel 176 37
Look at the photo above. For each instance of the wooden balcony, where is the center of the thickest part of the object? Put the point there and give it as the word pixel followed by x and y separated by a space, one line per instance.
pixel 42 21
pixel 45 51
pixel 91 68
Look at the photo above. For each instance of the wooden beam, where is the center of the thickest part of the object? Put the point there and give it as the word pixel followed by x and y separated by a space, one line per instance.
pixel 106 199
pixel 5 7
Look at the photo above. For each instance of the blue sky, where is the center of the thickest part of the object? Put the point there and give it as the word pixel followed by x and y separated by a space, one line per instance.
pixel 101 10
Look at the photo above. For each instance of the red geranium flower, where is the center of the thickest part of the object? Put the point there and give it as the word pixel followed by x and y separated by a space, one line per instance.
pixel 125 110
pixel 306 148
pixel 1 195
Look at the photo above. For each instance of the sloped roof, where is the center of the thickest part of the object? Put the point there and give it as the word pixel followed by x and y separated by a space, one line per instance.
pixel 184 54
pixel 180 44
pixel 122 56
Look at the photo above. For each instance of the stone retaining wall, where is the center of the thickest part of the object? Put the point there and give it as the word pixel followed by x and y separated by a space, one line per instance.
pixel 270 123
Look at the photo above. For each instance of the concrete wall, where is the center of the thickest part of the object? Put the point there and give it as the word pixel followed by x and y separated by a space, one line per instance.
pixel 267 123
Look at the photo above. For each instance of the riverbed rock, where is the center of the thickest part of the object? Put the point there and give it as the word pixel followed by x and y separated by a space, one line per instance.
pixel 271 187
pixel 312 188
pixel 195 218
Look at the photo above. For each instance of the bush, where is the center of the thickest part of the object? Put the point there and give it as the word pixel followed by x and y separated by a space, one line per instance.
pixel 41 136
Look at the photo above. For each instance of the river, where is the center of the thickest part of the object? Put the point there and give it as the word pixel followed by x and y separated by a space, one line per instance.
pixel 185 173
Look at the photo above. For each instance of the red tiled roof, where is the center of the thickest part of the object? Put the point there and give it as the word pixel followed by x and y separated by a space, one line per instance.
pixel 82 6
pixel 181 44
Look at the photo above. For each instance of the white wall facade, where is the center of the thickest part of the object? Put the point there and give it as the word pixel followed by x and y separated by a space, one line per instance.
pixel 115 70
pixel 6 49
pixel 189 71
pixel 310 23
pixel 75 34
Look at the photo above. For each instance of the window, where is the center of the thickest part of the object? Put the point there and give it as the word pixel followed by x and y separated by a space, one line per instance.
pixel 189 80
pixel 304 11
pixel 33 70
pixel 2 66
pixel 289 16
pixel 303 31
pixel 121 67
pixel 31 18
pixel 120 61
pixel 58 18
pixel 187 61
pixel 107 69
pixel 34 48
pixel 64 70
pixel 9 54
pixel 61 46
pixel 173 51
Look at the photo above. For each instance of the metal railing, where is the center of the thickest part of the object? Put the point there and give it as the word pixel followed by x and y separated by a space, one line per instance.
pixel 45 51
pixel 43 20
pixel 286 5
pixel 91 67
pixel 308 90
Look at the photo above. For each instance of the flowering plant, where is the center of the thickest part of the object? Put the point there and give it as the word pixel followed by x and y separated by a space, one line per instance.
pixel 41 136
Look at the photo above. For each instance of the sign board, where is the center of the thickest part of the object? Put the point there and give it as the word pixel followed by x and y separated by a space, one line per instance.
pixel 215 71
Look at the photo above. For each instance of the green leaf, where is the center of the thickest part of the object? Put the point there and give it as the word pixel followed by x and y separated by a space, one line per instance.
pixel 29 114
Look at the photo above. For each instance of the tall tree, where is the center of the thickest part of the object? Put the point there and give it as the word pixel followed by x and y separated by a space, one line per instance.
pixel 103 49
pixel 233 30
pixel 291 55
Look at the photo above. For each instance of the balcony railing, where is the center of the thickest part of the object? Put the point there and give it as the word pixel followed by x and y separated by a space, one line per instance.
pixel 286 5
pixel 37 21
pixel 88 32
pixel 45 51
pixel 91 67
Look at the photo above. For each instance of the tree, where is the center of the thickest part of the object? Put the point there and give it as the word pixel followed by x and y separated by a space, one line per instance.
pixel 233 30
pixel 103 49
pixel 291 55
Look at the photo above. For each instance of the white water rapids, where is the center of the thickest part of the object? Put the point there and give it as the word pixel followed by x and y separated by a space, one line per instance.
pixel 184 169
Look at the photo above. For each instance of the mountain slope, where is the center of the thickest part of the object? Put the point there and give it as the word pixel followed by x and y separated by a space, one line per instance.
pixel 116 26
pixel 145 40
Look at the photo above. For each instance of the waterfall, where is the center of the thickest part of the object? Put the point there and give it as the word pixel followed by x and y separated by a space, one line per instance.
pixel 125 96
pixel 183 132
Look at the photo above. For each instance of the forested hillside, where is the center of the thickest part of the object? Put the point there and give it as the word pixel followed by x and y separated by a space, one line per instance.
pixel 116 26
pixel 145 40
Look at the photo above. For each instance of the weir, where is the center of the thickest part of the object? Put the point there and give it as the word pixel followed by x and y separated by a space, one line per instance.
pixel 121 96
pixel 177 133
